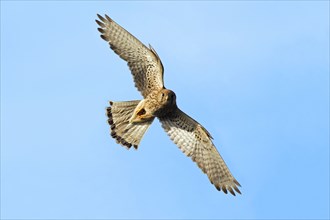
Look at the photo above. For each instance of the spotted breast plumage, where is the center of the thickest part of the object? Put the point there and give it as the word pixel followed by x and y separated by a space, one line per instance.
pixel 129 120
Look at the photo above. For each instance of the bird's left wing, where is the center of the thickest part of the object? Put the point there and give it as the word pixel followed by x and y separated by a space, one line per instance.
pixel 195 142
pixel 144 63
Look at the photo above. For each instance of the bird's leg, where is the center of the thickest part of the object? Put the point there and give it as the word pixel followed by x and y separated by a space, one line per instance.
pixel 141 114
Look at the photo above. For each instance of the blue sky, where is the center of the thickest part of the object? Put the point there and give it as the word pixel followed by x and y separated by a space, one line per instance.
pixel 254 73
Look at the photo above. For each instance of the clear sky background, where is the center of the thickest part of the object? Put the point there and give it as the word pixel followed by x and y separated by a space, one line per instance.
pixel 254 73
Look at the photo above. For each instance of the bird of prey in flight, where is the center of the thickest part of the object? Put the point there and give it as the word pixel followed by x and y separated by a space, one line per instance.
pixel 129 120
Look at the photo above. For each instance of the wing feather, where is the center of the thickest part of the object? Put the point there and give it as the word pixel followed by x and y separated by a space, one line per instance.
pixel 195 142
pixel 144 63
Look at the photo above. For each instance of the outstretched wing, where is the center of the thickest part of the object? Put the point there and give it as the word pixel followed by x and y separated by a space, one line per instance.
pixel 144 63
pixel 195 141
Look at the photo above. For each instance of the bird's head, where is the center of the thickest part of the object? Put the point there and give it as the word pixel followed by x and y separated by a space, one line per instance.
pixel 167 97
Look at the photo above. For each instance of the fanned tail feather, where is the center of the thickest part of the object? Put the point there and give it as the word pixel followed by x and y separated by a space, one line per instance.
pixel 126 133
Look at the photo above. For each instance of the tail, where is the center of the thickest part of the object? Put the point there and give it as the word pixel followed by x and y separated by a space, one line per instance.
pixel 126 133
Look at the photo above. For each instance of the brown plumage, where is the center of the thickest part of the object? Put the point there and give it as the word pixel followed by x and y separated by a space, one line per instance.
pixel 129 120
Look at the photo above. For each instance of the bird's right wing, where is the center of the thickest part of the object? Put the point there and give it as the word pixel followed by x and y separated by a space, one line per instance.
pixel 144 63
pixel 195 142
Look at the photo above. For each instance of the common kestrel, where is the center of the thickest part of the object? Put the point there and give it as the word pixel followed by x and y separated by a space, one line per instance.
pixel 129 120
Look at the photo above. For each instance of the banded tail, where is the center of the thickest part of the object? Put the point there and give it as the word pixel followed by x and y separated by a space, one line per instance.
pixel 126 133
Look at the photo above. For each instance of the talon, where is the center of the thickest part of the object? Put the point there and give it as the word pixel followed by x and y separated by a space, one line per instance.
pixel 141 112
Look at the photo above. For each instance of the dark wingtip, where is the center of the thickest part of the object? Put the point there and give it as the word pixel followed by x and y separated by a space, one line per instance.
pixel 237 190
pixel 104 37
pixel 101 18
pixel 101 30
pixel 231 191
pixel 101 24
pixel 224 189
pixel 108 18
pixel 237 183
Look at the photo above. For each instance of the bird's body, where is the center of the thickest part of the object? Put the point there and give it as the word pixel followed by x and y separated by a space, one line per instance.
pixel 157 104
pixel 129 120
